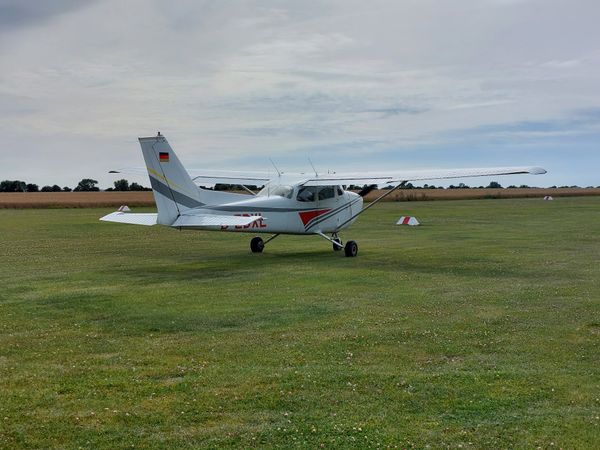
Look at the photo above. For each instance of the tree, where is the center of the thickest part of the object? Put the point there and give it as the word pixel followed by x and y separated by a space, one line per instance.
pixel 137 187
pixel 56 188
pixel 13 186
pixel 494 185
pixel 66 189
pixel 87 185
pixel 32 187
pixel 47 189
pixel 121 185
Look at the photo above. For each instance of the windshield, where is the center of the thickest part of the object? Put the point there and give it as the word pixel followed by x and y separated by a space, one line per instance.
pixel 278 190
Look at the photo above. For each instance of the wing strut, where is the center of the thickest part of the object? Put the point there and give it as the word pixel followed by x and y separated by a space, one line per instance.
pixel 381 197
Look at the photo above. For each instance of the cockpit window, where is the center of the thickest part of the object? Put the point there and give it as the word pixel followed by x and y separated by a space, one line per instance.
pixel 326 192
pixel 276 190
pixel 314 193
pixel 307 194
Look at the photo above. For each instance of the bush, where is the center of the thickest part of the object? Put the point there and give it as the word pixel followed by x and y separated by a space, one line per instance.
pixel 121 185
pixel 87 185
pixel 13 186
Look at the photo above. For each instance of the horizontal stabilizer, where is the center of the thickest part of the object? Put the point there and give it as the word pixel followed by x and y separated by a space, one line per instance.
pixel 214 221
pixel 203 177
pixel 147 219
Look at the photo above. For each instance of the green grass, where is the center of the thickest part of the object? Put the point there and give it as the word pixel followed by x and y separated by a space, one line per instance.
pixel 479 329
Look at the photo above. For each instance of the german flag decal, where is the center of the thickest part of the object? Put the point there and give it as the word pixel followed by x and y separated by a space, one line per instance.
pixel 163 156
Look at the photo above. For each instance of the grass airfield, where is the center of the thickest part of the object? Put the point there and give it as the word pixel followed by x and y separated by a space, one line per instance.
pixel 479 329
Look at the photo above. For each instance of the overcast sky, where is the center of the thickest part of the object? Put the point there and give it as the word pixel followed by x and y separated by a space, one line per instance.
pixel 352 84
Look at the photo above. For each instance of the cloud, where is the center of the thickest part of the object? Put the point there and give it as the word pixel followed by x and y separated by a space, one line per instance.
pixel 19 13
pixel 349 81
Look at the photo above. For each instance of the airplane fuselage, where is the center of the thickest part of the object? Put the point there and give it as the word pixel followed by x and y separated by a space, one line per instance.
pixel 283 215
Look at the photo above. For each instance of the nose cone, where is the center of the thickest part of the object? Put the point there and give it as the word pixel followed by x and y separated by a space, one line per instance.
pixel 354 196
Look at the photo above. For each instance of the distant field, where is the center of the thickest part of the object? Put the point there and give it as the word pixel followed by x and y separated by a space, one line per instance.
pixel 478 329
pixel 101 199
pixel 74 199
pixel 466 194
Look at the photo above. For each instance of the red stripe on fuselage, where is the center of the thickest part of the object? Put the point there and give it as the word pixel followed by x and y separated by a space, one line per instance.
pixel 307 216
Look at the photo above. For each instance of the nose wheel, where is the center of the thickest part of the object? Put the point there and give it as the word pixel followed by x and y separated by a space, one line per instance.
pixel 335 242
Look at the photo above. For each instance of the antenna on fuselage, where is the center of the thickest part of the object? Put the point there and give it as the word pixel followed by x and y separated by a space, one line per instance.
pixel 276 169
pixel 313 166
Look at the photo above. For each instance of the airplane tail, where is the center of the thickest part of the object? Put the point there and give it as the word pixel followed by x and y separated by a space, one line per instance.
pixel 173 189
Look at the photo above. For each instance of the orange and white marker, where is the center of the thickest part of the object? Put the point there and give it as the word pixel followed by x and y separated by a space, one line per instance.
pixel 407 220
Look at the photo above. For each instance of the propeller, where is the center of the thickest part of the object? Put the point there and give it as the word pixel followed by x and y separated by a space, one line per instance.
pixel 366 189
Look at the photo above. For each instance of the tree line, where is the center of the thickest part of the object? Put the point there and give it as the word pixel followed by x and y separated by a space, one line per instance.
pixel 89 185
pixel 85 185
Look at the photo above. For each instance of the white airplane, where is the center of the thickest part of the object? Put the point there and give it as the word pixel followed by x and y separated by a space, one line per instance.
pixel 288 204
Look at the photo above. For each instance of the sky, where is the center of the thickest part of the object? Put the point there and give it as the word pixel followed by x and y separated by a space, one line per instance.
pixel 352 85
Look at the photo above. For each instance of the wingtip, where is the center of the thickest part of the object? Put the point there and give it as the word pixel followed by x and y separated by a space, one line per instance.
pixel 537 171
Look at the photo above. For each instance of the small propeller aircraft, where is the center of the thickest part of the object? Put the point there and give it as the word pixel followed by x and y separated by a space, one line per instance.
pixel 287 204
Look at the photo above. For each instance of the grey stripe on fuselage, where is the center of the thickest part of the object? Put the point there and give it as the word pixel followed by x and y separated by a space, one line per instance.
pixel 256 208
pixel 179 198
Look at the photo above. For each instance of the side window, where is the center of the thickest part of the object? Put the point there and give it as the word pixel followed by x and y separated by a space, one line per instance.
pixel 339 191
pixel 306 194
pixel 326 192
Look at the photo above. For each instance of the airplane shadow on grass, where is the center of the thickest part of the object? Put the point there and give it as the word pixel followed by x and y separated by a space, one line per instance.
pixel 236 267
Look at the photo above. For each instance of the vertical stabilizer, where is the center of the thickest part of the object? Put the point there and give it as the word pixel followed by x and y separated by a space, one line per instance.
pixel 174 191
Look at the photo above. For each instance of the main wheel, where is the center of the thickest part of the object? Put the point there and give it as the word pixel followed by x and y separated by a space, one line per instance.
pixel 351 249
pixel 337 248
pixel 257 245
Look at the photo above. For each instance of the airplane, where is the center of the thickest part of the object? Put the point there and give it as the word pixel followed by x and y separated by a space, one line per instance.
pixel 298 204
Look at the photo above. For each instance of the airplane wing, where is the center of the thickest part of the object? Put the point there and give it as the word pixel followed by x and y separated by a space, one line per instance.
pixel 261 178
pixel 214 221
pixel 147 219
pixel 416 175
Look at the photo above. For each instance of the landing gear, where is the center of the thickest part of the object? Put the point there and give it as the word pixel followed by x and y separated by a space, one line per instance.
pixel 351 249
pixel 335 240
pixel 257 245
pixel 336 247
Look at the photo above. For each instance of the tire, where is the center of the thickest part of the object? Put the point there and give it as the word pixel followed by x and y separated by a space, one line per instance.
pixel 257 245
pixel 337 248
pixel 351 249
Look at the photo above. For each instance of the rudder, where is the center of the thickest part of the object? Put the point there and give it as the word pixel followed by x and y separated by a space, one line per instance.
pixel 173 189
